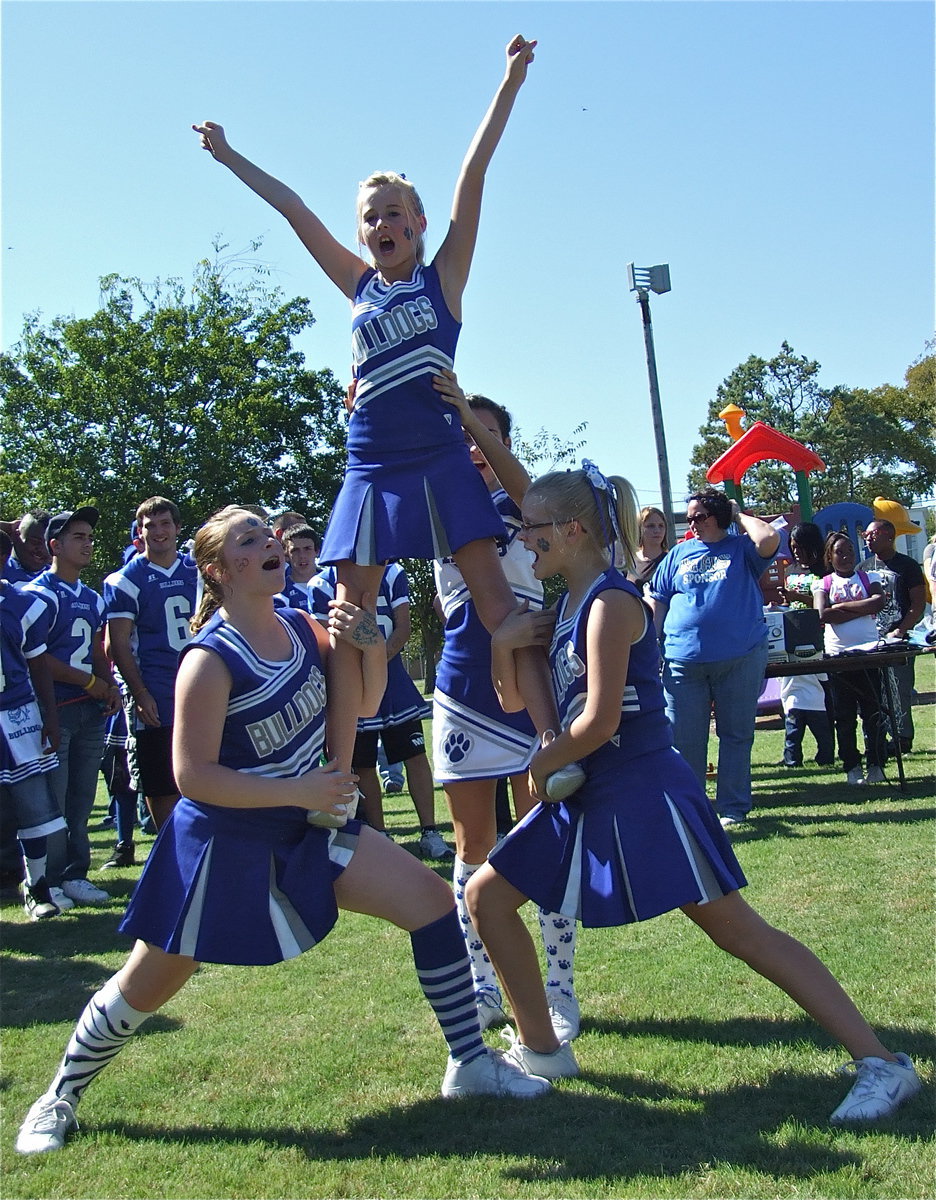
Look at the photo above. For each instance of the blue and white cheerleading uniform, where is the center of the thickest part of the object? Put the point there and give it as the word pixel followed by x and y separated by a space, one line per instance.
pixel 160 602
pixel 249 885
pixel 401 701
pixel 472 736
pixel 410 489
pixel 639 838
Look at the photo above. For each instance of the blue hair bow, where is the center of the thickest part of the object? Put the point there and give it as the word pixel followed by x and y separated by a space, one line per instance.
pixel 600 483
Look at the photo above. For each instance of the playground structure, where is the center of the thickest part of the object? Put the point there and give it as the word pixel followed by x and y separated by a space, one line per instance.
pixel 756 444
pixel 762 442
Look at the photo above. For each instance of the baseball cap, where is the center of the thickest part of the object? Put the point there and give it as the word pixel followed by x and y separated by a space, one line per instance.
pixel 61 521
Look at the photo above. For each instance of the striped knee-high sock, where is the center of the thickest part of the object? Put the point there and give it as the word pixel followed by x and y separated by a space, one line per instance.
pixel 445 978
pixel 559 934
pixel 481 968
pixel 102 1030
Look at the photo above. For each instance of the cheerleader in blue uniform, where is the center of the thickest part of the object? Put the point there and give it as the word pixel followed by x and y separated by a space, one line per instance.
pixel 639 838
pixel 474 742
pixel 239 874
pixel 410 490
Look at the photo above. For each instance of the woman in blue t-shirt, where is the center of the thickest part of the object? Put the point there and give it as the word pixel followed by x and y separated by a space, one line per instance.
pixel 708 604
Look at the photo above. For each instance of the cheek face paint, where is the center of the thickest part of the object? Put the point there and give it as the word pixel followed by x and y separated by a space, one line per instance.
pixel 408 233
pixel 542 545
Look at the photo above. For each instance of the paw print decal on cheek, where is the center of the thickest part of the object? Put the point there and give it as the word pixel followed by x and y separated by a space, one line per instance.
pixel 456 747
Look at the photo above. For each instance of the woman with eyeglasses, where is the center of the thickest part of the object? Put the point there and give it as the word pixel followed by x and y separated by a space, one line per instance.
pixel 709 608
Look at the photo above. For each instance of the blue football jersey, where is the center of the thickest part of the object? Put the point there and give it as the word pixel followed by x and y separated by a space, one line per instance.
pixel 76 613
pixel 160 602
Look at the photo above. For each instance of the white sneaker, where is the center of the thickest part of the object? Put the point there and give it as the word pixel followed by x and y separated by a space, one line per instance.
pixel 855 777
pixel 60 900
pixel 875 775
pixel 564 1013
pixel 432 846
pixel 491 1074
pixel 880 1088
pixel 559 1064
pixel 45 1127
pixel 82 891
pixel 490 1004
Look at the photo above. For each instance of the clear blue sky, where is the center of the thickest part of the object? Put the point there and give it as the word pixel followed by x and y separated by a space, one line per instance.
pixel 778 155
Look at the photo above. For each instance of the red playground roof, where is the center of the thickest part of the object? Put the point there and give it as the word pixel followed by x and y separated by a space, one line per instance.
pixel 757 443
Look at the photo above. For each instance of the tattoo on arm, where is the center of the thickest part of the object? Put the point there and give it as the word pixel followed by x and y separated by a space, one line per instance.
pixel 366 633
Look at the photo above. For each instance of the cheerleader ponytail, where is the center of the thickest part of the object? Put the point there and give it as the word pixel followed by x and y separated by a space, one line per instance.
pixel 209 541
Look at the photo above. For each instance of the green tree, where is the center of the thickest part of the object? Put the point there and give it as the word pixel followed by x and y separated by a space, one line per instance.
pixel 193 391
pixel 876 442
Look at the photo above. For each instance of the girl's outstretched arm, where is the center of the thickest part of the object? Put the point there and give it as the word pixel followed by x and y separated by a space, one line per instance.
pixel 453 259
pixel 343 267
pixel 510 471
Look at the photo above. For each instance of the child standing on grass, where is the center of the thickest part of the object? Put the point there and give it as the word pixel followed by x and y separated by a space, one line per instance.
pixel 639 838
pixel 803 697
pixel 848 601
pixel 238 873
pixel 410 490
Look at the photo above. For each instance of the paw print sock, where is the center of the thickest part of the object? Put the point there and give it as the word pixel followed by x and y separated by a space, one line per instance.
pixel 481 969
pixel 559 944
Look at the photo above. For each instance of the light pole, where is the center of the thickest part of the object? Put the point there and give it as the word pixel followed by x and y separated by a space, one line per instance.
pixel 644 280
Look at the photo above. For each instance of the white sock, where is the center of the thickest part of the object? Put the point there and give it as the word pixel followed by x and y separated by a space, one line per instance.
pixel 35 869
pixel 481 970
pixel 559 935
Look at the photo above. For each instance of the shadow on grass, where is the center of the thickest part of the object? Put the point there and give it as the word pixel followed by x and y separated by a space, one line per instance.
pixel 641 1129
pixel 50 991
pixel 920 1043
pixel 44 980
pixel 780 816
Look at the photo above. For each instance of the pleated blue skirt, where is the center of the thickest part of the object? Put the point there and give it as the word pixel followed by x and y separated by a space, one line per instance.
pixel 629 845
pixel 410 504
pixel 245 886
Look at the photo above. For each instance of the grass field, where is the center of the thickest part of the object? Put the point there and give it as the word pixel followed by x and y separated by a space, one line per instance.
pixel 320 1077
